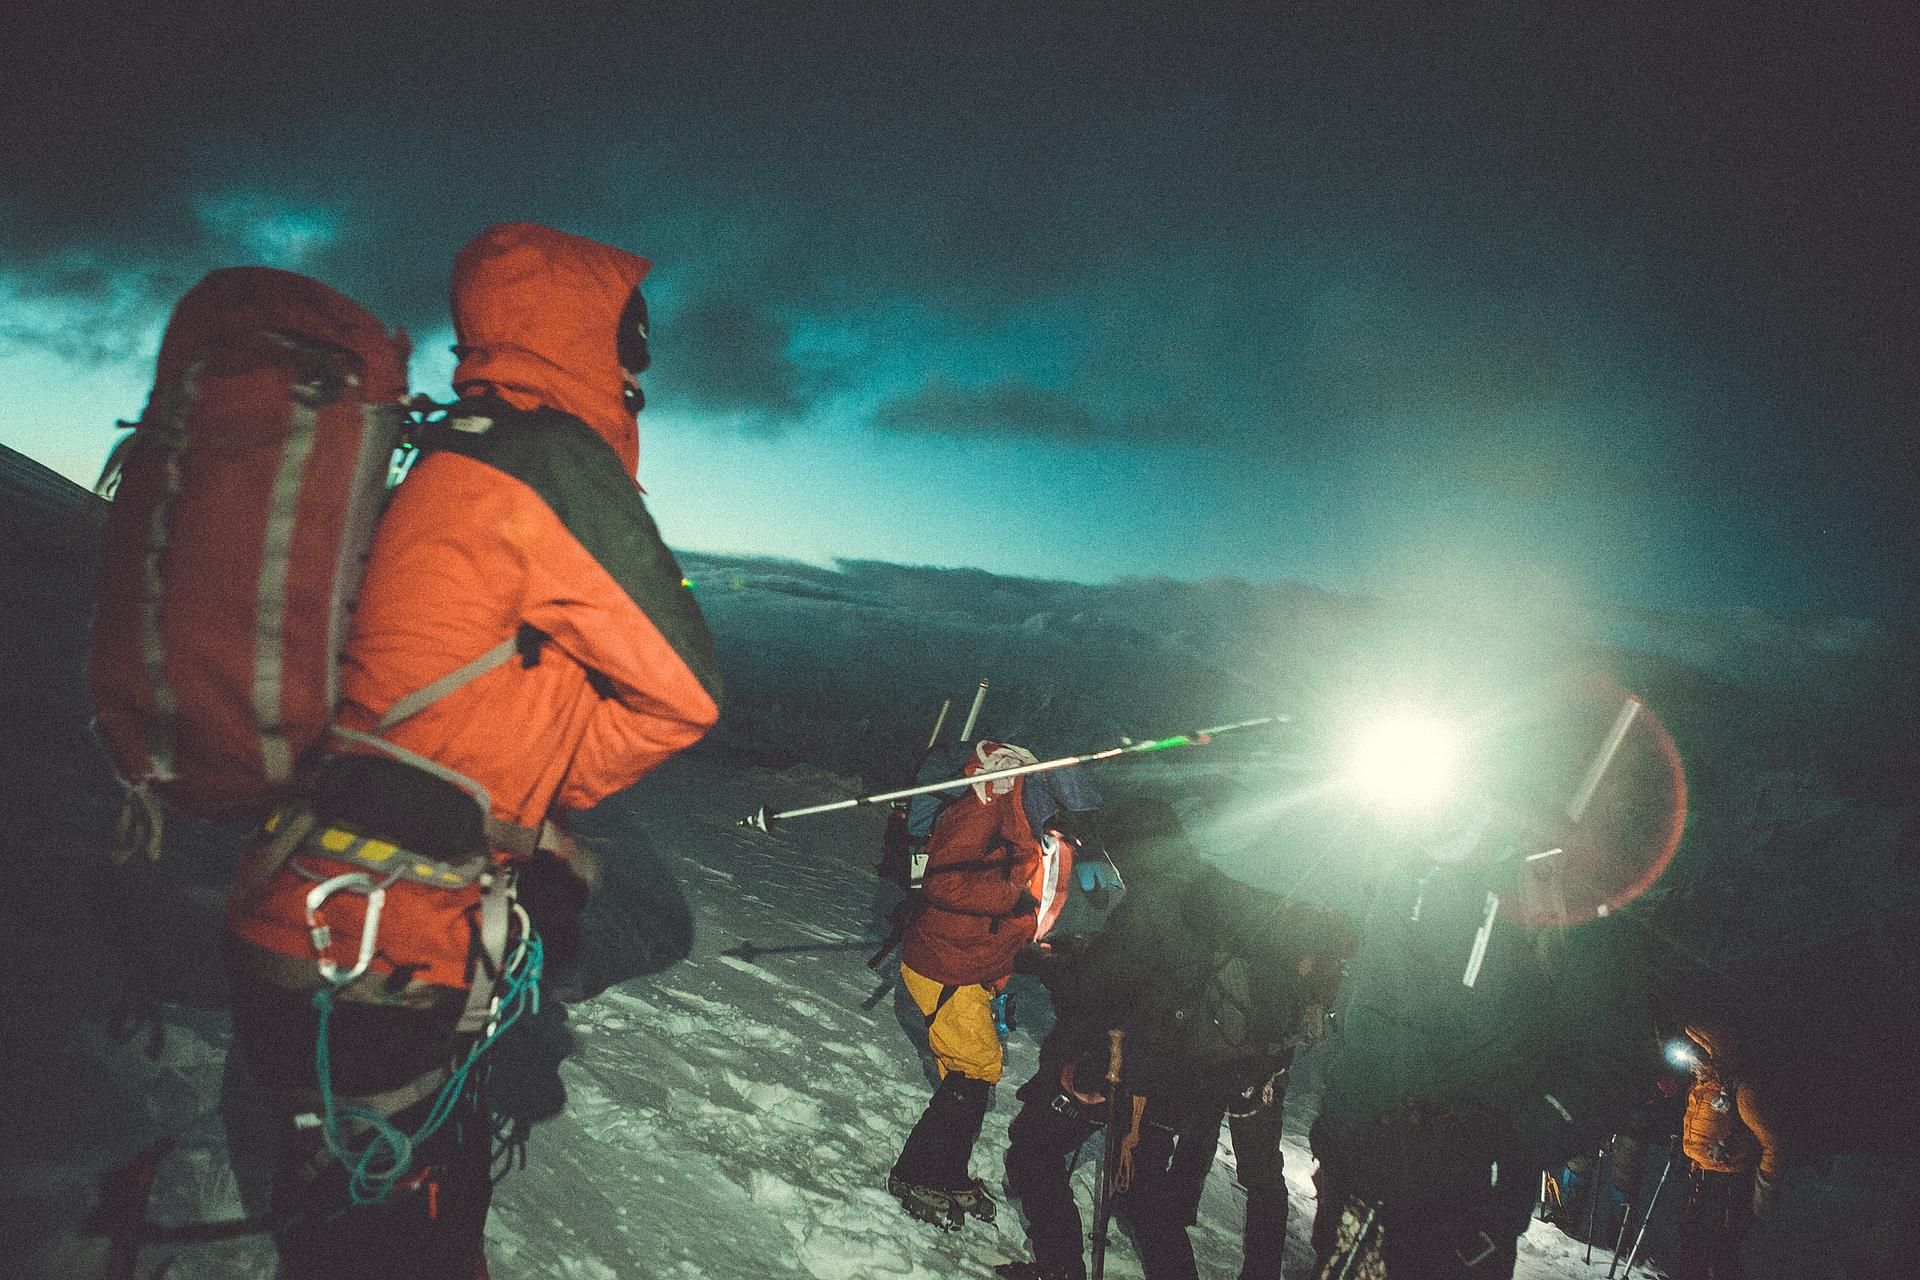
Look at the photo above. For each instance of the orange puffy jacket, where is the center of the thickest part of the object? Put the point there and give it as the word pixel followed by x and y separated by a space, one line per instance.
pixel 1729 1126
pixel 530 520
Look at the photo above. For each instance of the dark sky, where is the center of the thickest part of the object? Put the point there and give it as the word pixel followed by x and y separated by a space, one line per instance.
pixel 1550 301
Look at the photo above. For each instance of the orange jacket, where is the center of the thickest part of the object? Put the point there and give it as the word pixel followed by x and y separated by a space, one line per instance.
pixel 536 528
pixel 526 520
pixel 1729 1126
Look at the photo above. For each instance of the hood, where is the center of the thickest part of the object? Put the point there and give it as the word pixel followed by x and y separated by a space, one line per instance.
pixel 1718 1043
pixel 536 315
pixel 235 303
pixel 991 757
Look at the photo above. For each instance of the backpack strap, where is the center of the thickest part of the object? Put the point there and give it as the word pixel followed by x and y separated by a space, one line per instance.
pixel 287 829
pixel 947 992
pixel 507 836
pixel 428 694
pixel 305 1103
pixel 905 912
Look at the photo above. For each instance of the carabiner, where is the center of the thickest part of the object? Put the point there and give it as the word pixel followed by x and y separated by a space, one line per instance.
pixel 322 936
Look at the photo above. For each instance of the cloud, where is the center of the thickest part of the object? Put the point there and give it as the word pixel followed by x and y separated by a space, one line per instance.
pixel 1010 408
pixel 268 229
pixel 729 356
pixel 1235 236
pixel 87 311
pixel 107 302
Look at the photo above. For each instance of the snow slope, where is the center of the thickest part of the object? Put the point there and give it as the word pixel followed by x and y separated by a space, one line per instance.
pixel 697 1114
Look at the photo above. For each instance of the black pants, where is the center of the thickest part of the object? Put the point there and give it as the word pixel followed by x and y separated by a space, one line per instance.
pixel 939 1150
pixel 433 1222
pixel 1258 1162
pixel 1435 1228
pixel 1713 1224
pixel 431 1226
pixel 1169 1172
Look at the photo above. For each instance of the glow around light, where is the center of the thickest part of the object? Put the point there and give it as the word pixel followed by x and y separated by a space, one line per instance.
pixel 1681 1053
pixel 1407 762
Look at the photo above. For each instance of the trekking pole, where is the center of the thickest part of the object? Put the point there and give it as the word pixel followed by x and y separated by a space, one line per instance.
pixel 898 837
pixel 1576 809
pixel 751 951
pixel 1593 1202
pixel 1198 738
pixel 973 716
pixel 1603 759
pixel 1359 1242
pixel 1109 1158
pixel 939 722
pixel 1620 1239
pixel 1647 1219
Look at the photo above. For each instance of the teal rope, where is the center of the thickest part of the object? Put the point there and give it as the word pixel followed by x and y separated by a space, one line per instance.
pixel 388 1155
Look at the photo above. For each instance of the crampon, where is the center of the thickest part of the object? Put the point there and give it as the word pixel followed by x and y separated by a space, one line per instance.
pixel 945 1208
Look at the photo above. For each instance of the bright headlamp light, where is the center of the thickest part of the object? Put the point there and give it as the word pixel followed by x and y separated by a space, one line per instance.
pixel 1406 763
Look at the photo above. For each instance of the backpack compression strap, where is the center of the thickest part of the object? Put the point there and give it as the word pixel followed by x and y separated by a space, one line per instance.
pixel 412 704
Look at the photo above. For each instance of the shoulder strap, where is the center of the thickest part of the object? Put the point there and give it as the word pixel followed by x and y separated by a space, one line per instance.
pixel 426 695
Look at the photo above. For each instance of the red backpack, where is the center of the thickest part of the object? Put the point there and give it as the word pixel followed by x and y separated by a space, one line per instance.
pixel 244 501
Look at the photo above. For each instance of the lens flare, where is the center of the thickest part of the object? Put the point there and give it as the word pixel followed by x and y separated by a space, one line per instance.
pixel 1407 762
pixel 1624 815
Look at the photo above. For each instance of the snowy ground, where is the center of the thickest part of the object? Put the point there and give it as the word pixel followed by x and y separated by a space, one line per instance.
pixel 723 1117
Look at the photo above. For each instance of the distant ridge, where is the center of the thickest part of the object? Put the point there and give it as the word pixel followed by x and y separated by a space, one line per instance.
pixel 29 485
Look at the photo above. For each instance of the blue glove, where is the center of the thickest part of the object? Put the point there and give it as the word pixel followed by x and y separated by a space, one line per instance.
pixel 1097 874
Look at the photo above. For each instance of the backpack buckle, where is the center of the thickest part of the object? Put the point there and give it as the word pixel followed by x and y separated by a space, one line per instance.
pixel 322 936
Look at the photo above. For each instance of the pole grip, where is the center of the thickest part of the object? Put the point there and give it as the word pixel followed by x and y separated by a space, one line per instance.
pixel 979 696
pixel 1114 1038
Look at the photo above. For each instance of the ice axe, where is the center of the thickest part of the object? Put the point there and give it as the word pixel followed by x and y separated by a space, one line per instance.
pixel 763 820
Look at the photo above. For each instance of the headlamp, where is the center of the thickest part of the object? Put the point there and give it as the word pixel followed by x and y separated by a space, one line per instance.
pixel 1407 762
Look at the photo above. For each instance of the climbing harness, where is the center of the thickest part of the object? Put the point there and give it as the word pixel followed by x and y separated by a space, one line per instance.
pixel 385 1160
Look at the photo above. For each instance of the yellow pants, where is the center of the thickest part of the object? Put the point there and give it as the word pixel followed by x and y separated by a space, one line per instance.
pixel 960 1029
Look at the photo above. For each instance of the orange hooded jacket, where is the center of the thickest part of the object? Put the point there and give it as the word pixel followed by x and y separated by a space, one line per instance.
pixel 1729 1125
pixel 524 520
pixel 542 529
